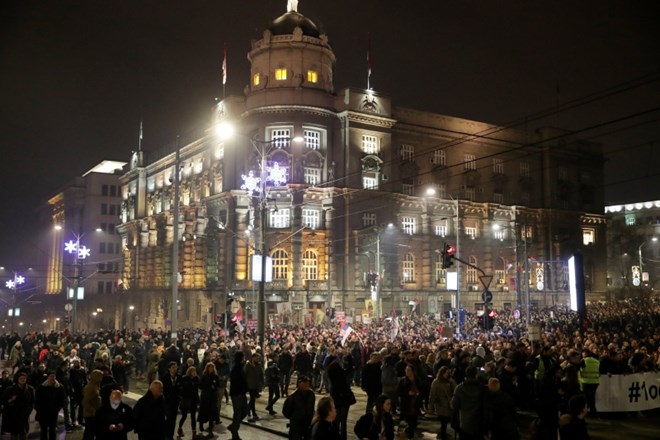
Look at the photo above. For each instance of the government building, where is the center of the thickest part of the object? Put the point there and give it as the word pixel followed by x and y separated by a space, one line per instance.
pixel 353 200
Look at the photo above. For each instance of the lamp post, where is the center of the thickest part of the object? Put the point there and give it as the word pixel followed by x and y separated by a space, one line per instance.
pixel 256 186
pixel 378 299
pixel 639 253
pixel 175 247
pixel 13 284
pixel 80 252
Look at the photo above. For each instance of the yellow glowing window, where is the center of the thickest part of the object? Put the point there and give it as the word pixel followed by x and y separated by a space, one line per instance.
pixel 255 79
pixel 312 76
pixel 280 74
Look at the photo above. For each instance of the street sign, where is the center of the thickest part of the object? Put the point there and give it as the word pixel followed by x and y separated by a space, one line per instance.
pixel 487 296
pixel 68 307
pixel 485 281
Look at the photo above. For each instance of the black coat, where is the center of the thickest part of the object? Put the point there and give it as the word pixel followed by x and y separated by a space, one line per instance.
pixel 371 378
pixel 208 404
pixel 49 401
pixel 17 404
pixel 189 393
pixel 106 416
pixel 149 415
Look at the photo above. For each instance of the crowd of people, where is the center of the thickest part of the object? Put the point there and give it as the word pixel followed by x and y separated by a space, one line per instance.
pixel 474 380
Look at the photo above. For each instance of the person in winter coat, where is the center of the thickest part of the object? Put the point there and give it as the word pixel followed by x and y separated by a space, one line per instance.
pixel 91 401
pixel 150 413
pixel 341 393
pixel 272 379
pixel 17 405
pixel 49 400
pixel 189 400
pixel 323 426
pixel 208 407
pixel 573 426
pixel 299 409
pixel 409 390
pixel 115 420
pixel 467 403
pixel 500 417
pixel 15 356
pixel 377 424
pixel 62 376
pixel 171 392
pixel 442 390
pixel 78 379
pixel 254 375
pixel 237 390
pixel 371 380
pixel 223 369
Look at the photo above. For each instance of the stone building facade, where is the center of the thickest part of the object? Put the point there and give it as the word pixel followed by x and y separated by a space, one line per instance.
pixel 364 164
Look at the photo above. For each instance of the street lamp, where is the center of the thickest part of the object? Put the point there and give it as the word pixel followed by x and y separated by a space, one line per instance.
pixel 13 285
pixel 80 252
pixel 256 187
pixel 639 253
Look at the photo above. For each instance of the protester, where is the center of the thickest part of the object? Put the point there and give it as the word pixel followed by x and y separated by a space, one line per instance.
pixel 323 426
pixel 254 376
pixel 272 377
pixel 91 402
pixel 299 409
pixel 467 402
pixel 572 426
pixel 442 391
pixel 115 420
pixel 189 400
pixel 171 394
pixel 238 388
pixel 377 424
pixel 49 400
pixel 17 403
pixel 150 413
pixel 208 408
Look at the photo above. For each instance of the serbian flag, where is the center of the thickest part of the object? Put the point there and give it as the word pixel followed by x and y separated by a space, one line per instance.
pixel 345 331
pixel 224 68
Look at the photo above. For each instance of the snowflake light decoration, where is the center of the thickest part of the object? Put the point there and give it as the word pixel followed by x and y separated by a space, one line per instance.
pixel 277 174
pixel 71 246
pixel 251 183
pixel 20 279
pixel 10 284
pixel 83 252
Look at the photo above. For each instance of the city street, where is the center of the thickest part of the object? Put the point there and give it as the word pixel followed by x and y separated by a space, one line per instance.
pixel 638 428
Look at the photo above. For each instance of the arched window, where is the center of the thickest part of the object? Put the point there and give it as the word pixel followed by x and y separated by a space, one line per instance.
pixel 408 269
pixel 280 265
pixel 471 274
pixel 310 265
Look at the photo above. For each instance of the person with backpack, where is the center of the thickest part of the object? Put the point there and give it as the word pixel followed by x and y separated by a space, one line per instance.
pixel 468 405
pixel 299 409
pixel 272 379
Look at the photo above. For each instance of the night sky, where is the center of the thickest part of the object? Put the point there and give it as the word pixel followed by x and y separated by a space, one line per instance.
pixel 77 77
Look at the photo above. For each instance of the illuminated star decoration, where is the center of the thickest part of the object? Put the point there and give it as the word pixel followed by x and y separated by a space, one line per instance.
pixel 71 246
pixel 251 183
pixel 83 252
pixel 20 279
pixel 10 284
pixel 277 174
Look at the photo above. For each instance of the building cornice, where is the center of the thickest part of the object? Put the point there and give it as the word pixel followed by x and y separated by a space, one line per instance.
pixel 278 109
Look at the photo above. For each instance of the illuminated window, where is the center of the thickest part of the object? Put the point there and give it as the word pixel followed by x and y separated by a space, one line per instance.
pixel 312 76
pixel 368 219
pixel 312 139
pixel 471 231
pixel 407 153
pixel 440 272
pixel 499 276
pixel 408 269
pixel 469 192
pixel 441 230
pixel 310 268
pixel 311 218
pixel 471 275
pixel 500 234
pixel 369 182
pixel 369 144
pixel 439 157
pixel 631 220
pixel 588 236
pixel 469 162
pixel 312 175
pixel 280 218
pixel 280 74
pixel 409 225
pixel 280 137
pixel 255 79
pixel 280 265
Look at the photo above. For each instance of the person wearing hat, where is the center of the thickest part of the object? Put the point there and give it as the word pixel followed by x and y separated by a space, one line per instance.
pixel 299 409
pixel 49 400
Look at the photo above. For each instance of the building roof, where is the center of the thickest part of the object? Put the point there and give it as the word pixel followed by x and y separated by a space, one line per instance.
pixel 286 23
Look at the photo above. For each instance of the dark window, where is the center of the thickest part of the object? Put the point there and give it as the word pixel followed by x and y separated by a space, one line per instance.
pixel 104 209
pixel 113 191
pixel 108 287
pixel 111 228
pixel 101 267
pixel 100 286
pixel 101 248
pixel 112 210
pixel 104 190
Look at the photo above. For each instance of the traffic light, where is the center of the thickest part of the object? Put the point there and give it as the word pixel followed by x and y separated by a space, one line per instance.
pixel 447 255
pixel 371 279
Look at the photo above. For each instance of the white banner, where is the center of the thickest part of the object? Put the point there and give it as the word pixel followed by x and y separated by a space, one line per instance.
pixel 632 392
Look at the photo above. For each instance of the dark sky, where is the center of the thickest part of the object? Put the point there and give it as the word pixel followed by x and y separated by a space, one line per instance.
pixel 76 77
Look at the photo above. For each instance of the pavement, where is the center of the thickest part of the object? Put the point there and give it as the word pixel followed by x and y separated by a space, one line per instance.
pixel 638 426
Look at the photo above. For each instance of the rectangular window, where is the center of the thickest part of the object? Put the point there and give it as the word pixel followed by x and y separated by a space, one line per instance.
pixel 498 166
pixel 312 76
pixel 409 225
pixel 441 230
pixel 499 234
pixel 469 193
pixel 498 197
pixel 369 144
pixel 104 208
pixel 439 158
pixel 471 231
pixel 312 139
pixel 312 175
pixel 256 79
pixel 113 190
pixel 99 286
pixel 631 220
pixel 469 162
pixel 111 228
pixel 311 218
pixel 588 236
pixel 112 210
pixel 109 287
pixel 407 153
pixel 101 248
pixel 280 218
pixel 280 137
pixel 408 189
pixel 524 169
pixel 368 219
pixel 440 273
pixel 499 277
pixel 369 182
pixel 471 275
pixel 280 74
pixel 442 190
pixel 104 190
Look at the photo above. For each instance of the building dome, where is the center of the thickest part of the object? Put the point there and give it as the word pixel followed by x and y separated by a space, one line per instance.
pixel 286 23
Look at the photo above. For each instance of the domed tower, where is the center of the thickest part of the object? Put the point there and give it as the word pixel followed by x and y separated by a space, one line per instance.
pixel 293 64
